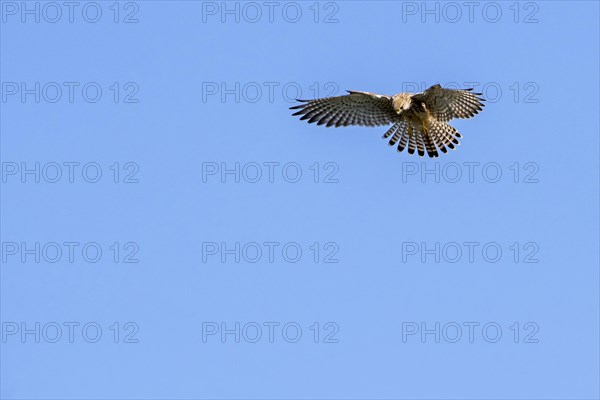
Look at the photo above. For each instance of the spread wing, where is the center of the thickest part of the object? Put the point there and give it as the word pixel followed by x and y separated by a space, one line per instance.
pixel 355 108
pixel 445 104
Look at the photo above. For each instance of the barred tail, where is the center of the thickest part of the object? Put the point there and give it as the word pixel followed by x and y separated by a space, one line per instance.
pixel 406 134
pixel 444 135
pixel 391 131
pixel 397 132
pixel 412 141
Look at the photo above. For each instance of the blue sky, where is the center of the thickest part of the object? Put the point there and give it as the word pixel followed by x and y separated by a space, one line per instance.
pixel 170 231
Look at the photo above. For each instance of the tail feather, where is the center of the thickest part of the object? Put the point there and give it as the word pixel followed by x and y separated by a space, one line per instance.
pixel 396 136
pixel 397 132
pixel 442 139
pixel 403 140
pixel 430 145
pixel 439 142
pixel 420 144
pixel 445 134
pixel 412 141
pixel 439 136
pixel 391 131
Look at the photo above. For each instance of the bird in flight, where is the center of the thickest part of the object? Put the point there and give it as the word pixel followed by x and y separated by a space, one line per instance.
pixel 420 120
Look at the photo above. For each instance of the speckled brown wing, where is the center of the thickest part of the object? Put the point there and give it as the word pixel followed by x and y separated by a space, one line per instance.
pixel 355 108
pixel 445 104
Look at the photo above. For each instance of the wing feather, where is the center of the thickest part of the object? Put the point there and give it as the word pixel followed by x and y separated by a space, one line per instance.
pixel 355 108
pixel 445 104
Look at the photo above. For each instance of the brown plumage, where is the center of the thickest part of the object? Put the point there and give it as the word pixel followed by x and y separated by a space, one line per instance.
pixel 419 120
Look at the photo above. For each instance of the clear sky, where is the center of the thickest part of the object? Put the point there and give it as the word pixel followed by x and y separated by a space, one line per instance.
pixel 170 231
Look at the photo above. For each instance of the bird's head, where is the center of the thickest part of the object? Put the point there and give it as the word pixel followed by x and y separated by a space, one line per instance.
pixel 402 102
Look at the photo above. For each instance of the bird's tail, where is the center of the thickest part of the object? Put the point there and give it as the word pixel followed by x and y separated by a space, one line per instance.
pixel 399 131
pixel 414 137
pixel 444 135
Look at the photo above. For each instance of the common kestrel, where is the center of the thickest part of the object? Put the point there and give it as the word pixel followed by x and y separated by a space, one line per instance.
pixel 420 120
